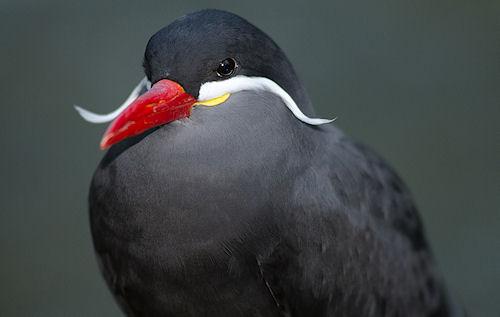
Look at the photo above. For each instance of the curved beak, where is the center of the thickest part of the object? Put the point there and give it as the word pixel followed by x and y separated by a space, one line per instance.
pixel 165 102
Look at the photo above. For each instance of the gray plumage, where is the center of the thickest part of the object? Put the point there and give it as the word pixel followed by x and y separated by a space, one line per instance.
pixel 242 210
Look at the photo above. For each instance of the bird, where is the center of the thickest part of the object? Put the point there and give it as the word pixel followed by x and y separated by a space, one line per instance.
pixel 220 193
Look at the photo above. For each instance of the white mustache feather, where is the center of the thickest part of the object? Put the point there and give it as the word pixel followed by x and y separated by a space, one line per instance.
pixel 209 91
pixel 214 89
pixel 102 118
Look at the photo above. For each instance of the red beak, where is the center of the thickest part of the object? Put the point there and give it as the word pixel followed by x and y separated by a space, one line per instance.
pixel 165 102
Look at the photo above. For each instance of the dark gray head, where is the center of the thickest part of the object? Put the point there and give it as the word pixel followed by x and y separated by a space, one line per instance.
pixel 202 59
pixel 191 49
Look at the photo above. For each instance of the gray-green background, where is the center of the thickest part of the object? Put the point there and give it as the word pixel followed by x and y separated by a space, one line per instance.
pixel 417 80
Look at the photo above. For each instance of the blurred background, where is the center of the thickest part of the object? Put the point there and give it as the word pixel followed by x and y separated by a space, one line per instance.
pixel 417 80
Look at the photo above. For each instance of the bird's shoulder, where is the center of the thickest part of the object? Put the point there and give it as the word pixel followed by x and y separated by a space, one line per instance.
pixel 343 178
pixel 353 241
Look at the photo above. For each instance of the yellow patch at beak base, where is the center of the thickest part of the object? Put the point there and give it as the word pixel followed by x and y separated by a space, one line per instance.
pixel 214 101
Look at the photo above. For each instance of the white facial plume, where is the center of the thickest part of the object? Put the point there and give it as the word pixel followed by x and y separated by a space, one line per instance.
pixel 215 89
pixel 102 118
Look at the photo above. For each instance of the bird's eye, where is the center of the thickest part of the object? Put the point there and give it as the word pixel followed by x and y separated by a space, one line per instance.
pixel 226 67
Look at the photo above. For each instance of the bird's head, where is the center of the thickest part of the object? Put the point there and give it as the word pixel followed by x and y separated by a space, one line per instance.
pixel 201 59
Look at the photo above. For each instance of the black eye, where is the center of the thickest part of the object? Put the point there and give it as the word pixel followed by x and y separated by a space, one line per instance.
pixel 226 67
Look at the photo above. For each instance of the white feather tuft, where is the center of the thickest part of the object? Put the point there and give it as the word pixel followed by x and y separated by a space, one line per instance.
pixel 215 89
pixel 102 118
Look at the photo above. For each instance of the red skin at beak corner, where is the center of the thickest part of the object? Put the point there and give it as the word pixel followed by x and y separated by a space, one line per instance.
pixel 165 102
